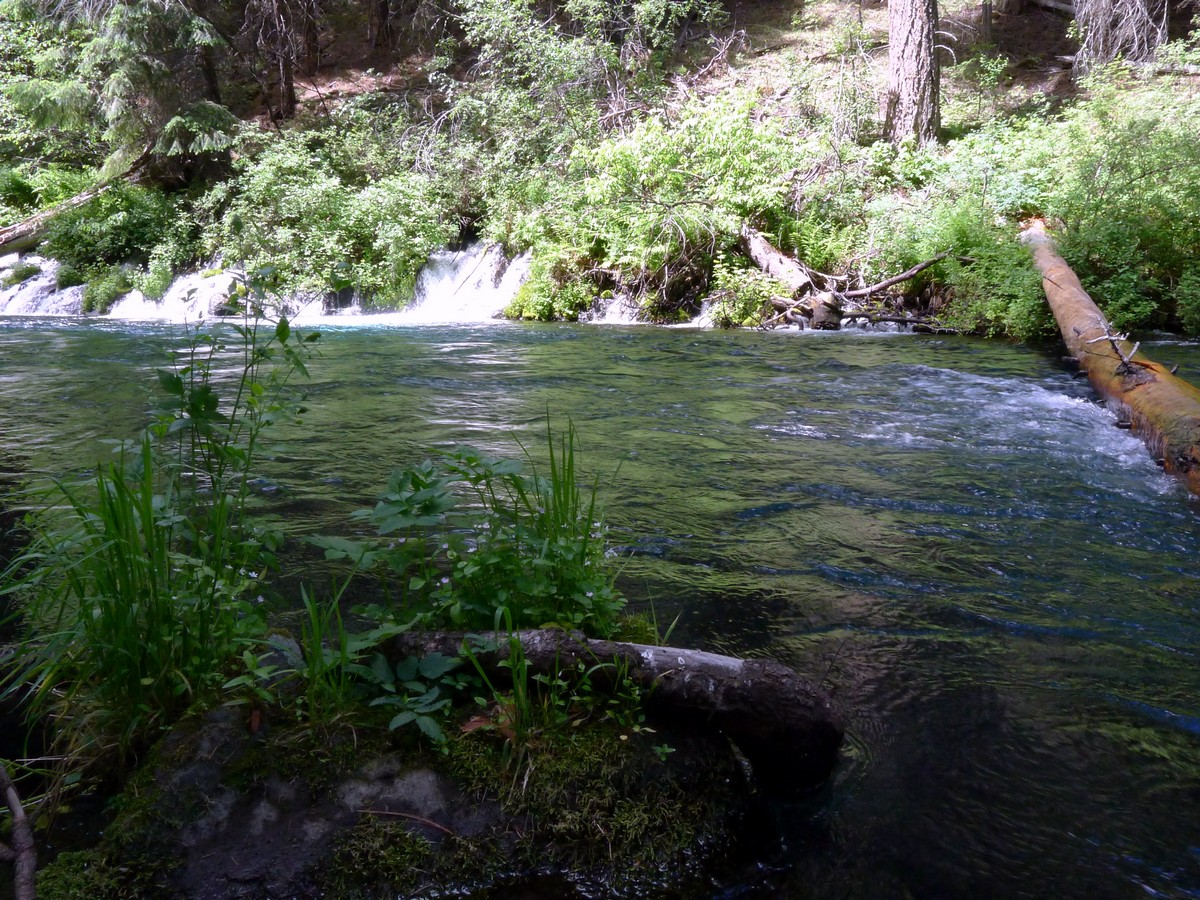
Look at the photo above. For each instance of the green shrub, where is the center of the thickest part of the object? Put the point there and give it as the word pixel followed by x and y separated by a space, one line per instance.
pixel 553 291
pixel 105 288
pixel 69 276
pixel 16 192
pixel 742 295
pixel 655 206
pixel 122 225
pixel 290 207
pixel 528 552
pixel 55 183
pixel 22 271
pixel 1187 301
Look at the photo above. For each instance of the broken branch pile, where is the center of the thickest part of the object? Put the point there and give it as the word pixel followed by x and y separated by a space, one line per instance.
pixel 815 300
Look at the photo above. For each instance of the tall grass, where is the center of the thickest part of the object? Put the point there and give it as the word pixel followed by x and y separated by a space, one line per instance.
pixel 529 545
pixel 136 590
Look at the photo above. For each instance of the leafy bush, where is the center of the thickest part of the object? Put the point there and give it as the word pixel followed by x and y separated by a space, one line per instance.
pixel 107 287
pixel 68 276
pixel 55 183
pixel 529 552
pixel 22 271
pixel 124 224
pixel 1129 232
pixel 1187 300
pixel 289 207
pixel 654 208
pixel 17 195
pixel 1095 173
pixel 741 295
pixel 552 292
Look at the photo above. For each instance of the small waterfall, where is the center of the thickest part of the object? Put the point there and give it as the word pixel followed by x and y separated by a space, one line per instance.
pixel 465 286
pixel 468 286
pixel 619 310
pixel 37 295
pixel 189 298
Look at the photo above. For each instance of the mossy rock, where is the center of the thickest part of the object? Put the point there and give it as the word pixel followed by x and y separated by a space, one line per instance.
pixel 221 811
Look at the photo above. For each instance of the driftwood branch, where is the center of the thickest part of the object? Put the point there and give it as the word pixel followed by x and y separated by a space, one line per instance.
pixel 786 726
pixel 23 852
pixel 824 307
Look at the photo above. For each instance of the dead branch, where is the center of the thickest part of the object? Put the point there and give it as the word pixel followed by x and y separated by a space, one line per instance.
pixel 903 276
pixel 23 852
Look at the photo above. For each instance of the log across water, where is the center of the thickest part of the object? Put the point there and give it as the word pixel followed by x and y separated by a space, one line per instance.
pixel 1162 409
pixel 786 726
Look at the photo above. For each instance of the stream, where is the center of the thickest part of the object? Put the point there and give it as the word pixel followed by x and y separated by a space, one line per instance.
pixel 998 585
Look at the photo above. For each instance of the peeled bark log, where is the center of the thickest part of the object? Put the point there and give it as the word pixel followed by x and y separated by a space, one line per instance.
pixel 782 268
pixel 1163 409
pixel 786 726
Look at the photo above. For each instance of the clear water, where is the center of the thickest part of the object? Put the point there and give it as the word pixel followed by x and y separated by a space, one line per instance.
pixel 998 584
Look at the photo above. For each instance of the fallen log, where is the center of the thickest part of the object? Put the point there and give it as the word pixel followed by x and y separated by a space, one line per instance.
pixel 1163 409
pixel 785 726
pixel 27 234
pixel 774 263
pixel 23 852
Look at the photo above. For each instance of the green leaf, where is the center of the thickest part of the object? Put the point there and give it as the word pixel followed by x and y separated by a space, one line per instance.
pixel 406 669
pixel 435 665
pixel 402 719
pixel 431 729
pixel 283 330
pixel 381 669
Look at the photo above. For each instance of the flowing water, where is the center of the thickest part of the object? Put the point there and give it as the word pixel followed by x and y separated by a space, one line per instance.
pixel 998 584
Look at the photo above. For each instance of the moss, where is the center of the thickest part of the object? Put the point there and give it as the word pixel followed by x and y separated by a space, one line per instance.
pixel 600 797
pixel 84 873
pixel 638 628
pixel 377 858
pixel 319 755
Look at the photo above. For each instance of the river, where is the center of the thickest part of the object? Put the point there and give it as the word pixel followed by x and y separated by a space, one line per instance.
pixel 998 585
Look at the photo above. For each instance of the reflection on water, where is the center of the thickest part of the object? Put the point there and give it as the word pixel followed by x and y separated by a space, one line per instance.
pixel 997 583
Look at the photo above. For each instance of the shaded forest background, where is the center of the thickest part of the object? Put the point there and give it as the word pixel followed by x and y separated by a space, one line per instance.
pixel 625 145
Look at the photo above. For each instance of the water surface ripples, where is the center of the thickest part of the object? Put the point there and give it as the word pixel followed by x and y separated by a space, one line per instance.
pixel 996 582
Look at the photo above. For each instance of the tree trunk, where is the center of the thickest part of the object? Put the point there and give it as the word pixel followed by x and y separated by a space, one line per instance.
pixel 208 69
pixel 379 23
pixel 911 110
pixel 1163 409
pixel 985 21
pixel 786 727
